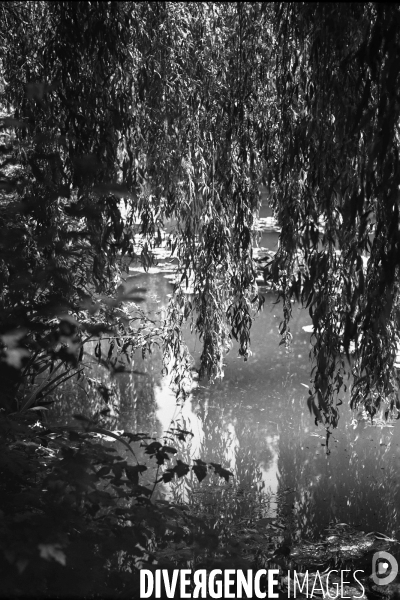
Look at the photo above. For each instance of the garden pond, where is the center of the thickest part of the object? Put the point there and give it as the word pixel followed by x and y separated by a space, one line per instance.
pixel 256 423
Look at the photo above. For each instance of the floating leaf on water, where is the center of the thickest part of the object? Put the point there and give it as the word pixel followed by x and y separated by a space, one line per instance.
pixel 53 551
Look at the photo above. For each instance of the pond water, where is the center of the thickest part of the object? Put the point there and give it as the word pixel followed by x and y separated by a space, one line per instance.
pixel 257 424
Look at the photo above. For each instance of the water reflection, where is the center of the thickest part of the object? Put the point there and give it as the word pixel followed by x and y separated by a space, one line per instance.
pixel 256 423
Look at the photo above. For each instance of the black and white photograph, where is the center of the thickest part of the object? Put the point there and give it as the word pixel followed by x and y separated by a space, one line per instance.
pixel 199 300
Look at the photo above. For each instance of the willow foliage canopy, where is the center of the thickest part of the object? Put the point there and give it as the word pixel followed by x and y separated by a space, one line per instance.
pixel 183 110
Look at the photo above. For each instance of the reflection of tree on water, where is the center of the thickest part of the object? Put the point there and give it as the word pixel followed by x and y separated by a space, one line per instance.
pixel 256 424
pixel 138 405
pixel 350 485
pixel 241 499
pixel 129 397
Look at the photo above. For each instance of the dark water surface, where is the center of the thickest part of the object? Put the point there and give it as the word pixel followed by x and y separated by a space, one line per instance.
pixel 256 423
